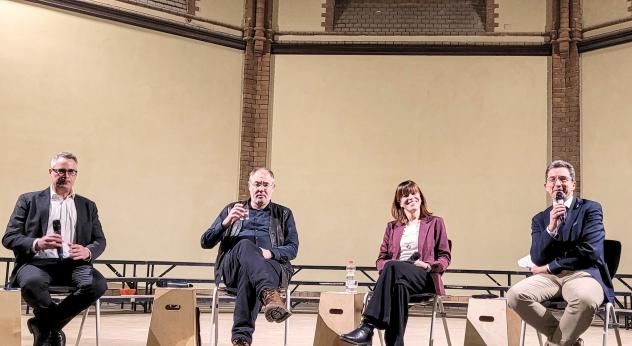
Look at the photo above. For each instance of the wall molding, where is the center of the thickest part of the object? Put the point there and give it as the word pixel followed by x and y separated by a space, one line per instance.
pixel 144 21
pixel 390 48
pixel 610 39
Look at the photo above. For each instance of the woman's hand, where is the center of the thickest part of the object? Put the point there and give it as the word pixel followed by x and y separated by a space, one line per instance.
pixel 423 265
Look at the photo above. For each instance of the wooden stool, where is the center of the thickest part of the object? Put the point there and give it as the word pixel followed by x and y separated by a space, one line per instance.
pixel 10 332
pixel 173 318
pixel 490 322
pixel 338 313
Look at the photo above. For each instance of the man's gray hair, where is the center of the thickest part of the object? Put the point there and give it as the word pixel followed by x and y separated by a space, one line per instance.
pixel 257 169
pixel 65 155
pixel 560 164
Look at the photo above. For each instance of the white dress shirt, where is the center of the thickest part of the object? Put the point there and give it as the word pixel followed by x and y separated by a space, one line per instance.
pixel 64 210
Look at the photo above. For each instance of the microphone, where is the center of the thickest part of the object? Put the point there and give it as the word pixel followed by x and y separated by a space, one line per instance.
pixel 414 257
pixel 57 230
pixel 559 198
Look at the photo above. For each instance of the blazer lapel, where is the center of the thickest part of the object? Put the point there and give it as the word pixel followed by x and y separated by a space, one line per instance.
pixel 397 239
pixel 423 233
pixel 43 200
pixel 82 218
pixel 567 227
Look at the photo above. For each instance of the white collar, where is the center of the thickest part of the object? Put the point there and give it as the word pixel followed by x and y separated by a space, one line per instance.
pixel 55 196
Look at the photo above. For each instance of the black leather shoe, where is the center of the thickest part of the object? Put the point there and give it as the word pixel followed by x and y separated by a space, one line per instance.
pixel 40 338
pixel 57 338
pixel 363 335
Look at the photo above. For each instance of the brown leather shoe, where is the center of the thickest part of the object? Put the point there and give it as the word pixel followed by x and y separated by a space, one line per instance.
pixel 273 306
pixel 579 342
pixel 240 342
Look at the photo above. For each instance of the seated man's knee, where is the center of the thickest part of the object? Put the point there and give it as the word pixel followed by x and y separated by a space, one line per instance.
pixel 585 302
pixel 94 288
pixel 517 297
pixel 35 288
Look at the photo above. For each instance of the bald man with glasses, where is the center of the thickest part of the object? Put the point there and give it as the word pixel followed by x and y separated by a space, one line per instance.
pixel 55 235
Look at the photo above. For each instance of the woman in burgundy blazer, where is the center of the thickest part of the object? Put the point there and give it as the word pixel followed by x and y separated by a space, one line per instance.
pixel 417 268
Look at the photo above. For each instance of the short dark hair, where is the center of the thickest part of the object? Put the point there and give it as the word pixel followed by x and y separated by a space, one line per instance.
pixel 560 164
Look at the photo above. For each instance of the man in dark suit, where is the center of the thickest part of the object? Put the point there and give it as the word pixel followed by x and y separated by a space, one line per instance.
pixel 567 251
pixel 257 240
pixel 55 235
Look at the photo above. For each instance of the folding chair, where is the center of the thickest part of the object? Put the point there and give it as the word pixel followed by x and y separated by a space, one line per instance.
pixel 228 294
pixel 612 256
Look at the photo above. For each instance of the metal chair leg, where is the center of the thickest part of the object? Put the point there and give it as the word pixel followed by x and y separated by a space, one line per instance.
pixel 523 333
pixel 523 330
pixel 97 317
pixel 611 313
pixel 445 321
pixel 83 321
pixel 214 313
pixel 288 306
pixel 432 320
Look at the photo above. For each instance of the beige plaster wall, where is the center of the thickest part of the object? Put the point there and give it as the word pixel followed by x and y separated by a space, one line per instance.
pixel 226 11
pixel 472 131
pixel 154 119
pixel 521 16
pixel 596 12
pixel 606 143
pixel 298 15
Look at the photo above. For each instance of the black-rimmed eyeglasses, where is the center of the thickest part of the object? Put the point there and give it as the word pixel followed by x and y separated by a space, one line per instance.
pixel 63 171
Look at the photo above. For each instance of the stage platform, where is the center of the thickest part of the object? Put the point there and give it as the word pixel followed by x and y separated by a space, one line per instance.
pixel 131 330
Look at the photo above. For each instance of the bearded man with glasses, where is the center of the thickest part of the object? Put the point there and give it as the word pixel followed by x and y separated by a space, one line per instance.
pixel 55 235
pixel 257 240
pixel 567 244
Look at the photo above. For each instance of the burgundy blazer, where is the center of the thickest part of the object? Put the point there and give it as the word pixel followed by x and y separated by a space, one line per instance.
pixel 433 247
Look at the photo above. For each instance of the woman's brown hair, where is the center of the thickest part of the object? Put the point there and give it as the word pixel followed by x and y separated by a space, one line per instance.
pixel 406 188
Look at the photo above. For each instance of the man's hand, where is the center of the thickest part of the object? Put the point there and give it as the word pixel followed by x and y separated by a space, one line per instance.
pixel 558 210
pixel 236 212
pixel 266 253
pixel 423 265
pixel 539 270
pixel 78 252
pixel 49 241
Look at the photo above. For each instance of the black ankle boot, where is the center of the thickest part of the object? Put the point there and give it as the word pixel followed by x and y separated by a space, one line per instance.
pixel 363 335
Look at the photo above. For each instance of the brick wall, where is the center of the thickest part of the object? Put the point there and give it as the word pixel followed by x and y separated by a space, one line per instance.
pixel 491 8
pixel 408 17
pixel 180 6
pixel 565 122
pixel 256 90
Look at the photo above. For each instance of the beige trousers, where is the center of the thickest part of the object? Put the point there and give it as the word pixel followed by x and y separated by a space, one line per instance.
pixel 578 288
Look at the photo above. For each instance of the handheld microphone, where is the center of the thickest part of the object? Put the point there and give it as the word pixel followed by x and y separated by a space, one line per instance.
pixel 559 198
pixel 57 230
pixel 414 257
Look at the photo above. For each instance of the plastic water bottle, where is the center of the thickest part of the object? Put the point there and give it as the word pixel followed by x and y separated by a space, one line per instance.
pixel 351 284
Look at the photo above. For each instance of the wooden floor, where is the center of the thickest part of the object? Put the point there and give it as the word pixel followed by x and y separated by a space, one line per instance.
pixel 131 330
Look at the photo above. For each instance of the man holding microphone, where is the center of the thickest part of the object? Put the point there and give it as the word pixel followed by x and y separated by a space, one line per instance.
pixel 55 235
pixel 567 250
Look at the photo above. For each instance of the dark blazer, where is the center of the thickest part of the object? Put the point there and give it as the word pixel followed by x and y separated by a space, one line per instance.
pixel 283 237
pixel 29 221
pixel 578 244
pixel 433 247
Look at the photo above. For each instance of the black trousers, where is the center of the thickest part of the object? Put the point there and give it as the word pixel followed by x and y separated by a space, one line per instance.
pixel 388 307
pixel 247 272
pixel 34 280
